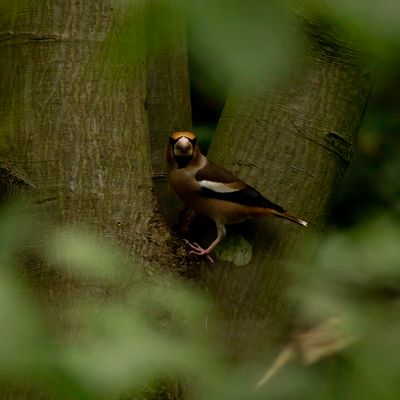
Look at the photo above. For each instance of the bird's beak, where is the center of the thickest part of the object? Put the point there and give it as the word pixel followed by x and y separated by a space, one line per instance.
pixel 183 147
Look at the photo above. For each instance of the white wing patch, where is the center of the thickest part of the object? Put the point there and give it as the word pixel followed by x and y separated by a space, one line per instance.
pixel 217 187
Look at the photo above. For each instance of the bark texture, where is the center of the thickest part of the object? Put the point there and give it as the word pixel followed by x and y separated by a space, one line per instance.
pixel 74 131
pixel 74 124
pixel 293 141
pixel 168 98
pixel 73 119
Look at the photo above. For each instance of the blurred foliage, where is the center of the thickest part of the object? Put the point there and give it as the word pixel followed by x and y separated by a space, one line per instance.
pixel 356 277
pixel 376 28
pixel 112 345
pixel 372 183
pixel 232 41
pixel 362 267
pixel 235 43
pixel 136 339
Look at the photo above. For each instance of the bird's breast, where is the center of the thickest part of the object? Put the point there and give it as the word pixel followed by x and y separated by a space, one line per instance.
pixel 184 185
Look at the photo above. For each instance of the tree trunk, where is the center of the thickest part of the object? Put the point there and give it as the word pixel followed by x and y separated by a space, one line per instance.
pixel 293 141
pixel 74 121
pixel 77 119
pixel 168 99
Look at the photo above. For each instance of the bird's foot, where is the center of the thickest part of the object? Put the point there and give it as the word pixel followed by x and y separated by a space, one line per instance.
pixel 198 250
pixel 194 246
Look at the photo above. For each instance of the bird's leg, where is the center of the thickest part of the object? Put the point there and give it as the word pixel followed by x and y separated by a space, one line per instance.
pixel 198 250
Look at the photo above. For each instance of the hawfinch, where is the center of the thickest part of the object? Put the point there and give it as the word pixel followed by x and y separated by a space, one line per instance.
pixel 214 191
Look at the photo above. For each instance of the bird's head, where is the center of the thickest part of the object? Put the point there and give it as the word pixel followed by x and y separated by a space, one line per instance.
pixel 183 146
pixel 183 143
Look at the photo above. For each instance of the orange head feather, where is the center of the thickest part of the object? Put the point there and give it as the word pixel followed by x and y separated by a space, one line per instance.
pixel 176 135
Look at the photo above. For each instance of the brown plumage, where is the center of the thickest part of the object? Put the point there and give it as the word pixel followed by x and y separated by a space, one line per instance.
pixel 214 191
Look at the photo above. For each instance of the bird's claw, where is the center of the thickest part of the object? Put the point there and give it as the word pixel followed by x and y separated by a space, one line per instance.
pixel 198 250
pixel 195 246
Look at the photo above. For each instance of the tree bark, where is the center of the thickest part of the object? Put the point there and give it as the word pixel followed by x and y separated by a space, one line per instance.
pixel 168 98
pixel 293 140
pixel 77 120
pixel 73 119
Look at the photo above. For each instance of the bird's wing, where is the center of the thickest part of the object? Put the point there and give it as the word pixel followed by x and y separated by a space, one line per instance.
pixel 219 183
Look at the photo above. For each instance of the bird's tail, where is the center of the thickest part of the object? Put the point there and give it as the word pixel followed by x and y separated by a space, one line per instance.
pixel 289 217
pixel 280 213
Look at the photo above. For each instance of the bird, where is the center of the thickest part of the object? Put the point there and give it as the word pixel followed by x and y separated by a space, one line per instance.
pixel 211 190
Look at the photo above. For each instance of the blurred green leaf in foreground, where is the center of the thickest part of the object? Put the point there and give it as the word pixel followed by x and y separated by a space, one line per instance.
pixel 112 341
pixel 139 334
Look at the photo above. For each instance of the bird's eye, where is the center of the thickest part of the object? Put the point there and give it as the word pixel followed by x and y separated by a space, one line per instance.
pixel 193 141
pixel 172 141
